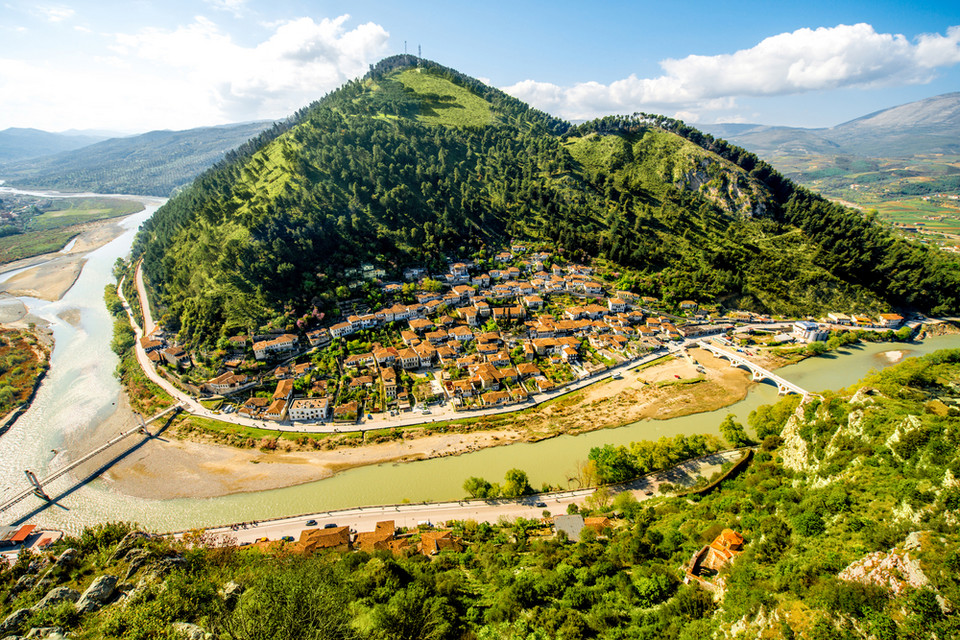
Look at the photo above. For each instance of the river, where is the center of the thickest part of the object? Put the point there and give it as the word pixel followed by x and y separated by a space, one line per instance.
pixel 80 391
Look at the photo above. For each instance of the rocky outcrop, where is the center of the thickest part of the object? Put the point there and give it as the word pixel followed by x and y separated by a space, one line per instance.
pixel 794 451
pixel 97 594
pixel 136 558
pixel 56 596
pixel 231 592
pixel 14 622
pixel 130 541
pixel 46 633
pixel 189 631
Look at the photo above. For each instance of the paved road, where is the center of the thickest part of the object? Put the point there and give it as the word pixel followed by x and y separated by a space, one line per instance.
pixel 410 515
pixel 148 324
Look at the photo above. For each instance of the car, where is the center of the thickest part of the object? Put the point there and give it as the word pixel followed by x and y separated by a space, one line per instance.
pixel 617 376
pixel 426 411
pixel 330 525
pixel 648 493
pixel 287 538
pixel 540 505
pixel 264 539
pixel 245 544
pixel 311 523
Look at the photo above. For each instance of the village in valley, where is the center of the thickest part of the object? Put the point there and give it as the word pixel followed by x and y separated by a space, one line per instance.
pixel 502 331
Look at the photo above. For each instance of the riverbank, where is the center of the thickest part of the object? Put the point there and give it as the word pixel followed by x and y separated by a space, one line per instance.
pixel 51 275
pixel 191 465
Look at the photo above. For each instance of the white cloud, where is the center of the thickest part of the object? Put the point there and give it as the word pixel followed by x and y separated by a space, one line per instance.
pixel 193 75
pixel 803 60
pixel 56 14
pixel 298 63
pixel 236 7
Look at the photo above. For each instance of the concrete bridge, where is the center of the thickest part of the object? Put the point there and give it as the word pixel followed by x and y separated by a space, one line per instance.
pixel 757 372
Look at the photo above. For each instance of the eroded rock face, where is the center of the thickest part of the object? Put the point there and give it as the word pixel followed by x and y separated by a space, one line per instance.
pixel 56 596
pixel 97 594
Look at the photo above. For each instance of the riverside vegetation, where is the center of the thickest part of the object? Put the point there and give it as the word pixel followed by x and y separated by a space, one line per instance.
pixel 23 361
pixel 415 164
pixel 849 513
pixel 45 225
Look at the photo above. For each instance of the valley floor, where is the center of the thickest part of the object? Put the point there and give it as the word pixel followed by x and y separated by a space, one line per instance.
pixel 167 467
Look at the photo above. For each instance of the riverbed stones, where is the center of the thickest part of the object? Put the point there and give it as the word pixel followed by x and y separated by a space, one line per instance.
pixel 14 622
pixel 56 596
pixel 97 594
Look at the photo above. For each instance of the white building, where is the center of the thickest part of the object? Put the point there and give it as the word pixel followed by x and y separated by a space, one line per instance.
pixel 309 409
pixel 809 331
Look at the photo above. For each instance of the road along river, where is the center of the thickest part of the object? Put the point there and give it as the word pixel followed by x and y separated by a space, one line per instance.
pixel 80 392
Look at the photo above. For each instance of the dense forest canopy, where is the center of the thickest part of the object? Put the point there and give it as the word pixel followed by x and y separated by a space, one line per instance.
pixel 416 163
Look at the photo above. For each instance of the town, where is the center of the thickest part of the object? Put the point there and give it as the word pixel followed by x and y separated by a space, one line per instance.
pixel 474 338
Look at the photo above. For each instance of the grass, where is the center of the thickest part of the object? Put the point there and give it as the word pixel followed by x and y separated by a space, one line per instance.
pixel 212 405
pixel 52 230
pixel 81 211
pixel 444 103
pixel 681 382
pixel 237 431
pixel 34 243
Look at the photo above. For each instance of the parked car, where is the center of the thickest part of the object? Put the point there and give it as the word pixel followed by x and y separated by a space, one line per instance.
pixel 311 523
pixel 264 539
pixel 330 525
pixel 287 538
pixel 540 505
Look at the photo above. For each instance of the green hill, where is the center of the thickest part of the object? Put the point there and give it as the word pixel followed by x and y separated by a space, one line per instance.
pixel 416 163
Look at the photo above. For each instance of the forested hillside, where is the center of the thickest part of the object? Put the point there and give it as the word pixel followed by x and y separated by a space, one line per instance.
pixel 848 517
pixel 153 163
pixel 416 163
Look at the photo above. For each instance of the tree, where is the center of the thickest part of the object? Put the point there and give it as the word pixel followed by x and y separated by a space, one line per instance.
pixel 516 484
pixel 613 463
pixel 816 348
pixel 734 433
pixel 477 487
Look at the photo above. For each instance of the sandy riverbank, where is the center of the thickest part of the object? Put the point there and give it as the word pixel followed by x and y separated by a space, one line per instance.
pixel 171 468
pixel 165 467
pixel 50 276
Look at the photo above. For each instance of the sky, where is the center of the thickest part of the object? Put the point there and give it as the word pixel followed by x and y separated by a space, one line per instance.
pixel 141 65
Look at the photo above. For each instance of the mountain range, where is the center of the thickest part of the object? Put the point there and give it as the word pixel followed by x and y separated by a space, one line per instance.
pixel 153 163
pixel 418 164
pixel 926 126
pixel 22 144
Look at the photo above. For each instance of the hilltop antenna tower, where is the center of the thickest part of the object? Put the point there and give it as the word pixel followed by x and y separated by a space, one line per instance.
pixel 404 47
pixel 419 54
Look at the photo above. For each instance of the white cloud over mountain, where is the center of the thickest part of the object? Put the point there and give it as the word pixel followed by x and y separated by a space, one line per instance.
pixel 195 74
pixel 789 63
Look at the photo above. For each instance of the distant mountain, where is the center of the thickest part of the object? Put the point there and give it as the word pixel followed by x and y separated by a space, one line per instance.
pixel 21 144
pixel 926 126
pixel 153 163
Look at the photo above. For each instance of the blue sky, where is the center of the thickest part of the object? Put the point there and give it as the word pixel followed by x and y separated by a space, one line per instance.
pixel 140 65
